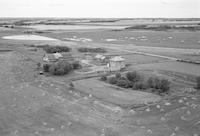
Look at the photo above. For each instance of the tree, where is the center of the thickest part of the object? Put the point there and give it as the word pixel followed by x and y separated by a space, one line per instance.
pixel 112 80
pixel 76 65
pixel 198 82
pixel 133 76
pixel 38 65
pixel 139 86
pixel 46 67
pixel 60 68
pixel 103 78
pixel 161 85
pixel 164 86
pixel 118 75
pixel 123 83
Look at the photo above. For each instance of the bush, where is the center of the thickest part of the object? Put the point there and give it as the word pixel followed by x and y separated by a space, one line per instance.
pixel 133 76
pixel 46 67
pixel 198 82
pixel 56 70
pixel 159 85
pixel 112 80
pixel 123 83
pixel 118 75
pixel 153 82
pixel 139 86
pixel 76 65
pixel 164 86
pixel 54 49
pixel 95 50
pixel 38 65
pixel 71 86
pixel 60 68
pixel 103 78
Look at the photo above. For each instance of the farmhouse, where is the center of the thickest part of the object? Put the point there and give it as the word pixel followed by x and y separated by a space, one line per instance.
pixel 54 57
pixel 50 58
pixel 116 63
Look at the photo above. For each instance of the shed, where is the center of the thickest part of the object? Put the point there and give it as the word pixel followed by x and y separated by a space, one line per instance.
pixel 100 57
pixel 58 55
pixel 116 63
pixel 49 58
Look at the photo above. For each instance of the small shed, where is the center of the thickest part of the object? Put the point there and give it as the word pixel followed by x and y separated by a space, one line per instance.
pixel 52 57
pixel 49 58
pixel 100 57
pixel 116 63
pixel 58 55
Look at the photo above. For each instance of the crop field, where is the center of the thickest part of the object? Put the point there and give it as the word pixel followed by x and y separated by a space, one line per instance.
pixel 36 103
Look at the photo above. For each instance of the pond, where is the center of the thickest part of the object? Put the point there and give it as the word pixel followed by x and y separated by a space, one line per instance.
pixel 72 27
pixel 29 37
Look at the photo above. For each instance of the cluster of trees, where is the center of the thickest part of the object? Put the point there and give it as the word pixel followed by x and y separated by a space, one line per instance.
pixel 61 67
pixel 163 27
pixel 198 82
pixel 135 81
pixel 94 50
pixel 54 49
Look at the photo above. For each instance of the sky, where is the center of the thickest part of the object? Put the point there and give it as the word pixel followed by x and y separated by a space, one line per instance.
pixel 101 8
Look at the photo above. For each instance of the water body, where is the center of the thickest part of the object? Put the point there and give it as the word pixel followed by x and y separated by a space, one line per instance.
pixel 73 27
pixel 29 37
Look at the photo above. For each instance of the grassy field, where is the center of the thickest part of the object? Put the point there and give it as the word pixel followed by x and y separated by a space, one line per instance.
pixel 44 105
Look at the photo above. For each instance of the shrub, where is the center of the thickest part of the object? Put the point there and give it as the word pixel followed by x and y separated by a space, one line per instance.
pixel 76 65
pixel 153 82
pixel 56 70
pixel 123 83
pixel 54 49
pixel 65 65
pixel 159 85
pixel 139 86
pixel 112 80
pixel 38 65
pixel 164 86
pixel 118 75
pixel 46 67
pixel 95 50
pixel 60 68
pixel 71 86
pixel 103 78
pixel 198 82
pixel 133 76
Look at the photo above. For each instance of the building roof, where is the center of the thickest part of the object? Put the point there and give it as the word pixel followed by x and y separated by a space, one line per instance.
pixel 117 59
pixel 99 56
pixel 49 57
pixel 58 55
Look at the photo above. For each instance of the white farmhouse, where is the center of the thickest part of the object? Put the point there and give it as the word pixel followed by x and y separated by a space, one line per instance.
pixel 116 63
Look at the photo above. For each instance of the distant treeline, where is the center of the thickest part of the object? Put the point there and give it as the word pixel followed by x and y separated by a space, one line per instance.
pixel 164 27
pixel 92 50
pixel 104 21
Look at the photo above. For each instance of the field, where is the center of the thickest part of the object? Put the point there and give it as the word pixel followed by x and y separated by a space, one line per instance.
pixel 79 104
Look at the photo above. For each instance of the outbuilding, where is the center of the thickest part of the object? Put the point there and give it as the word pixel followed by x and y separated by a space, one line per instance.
pixel 52 57
pixel 116 63
pixel 100 57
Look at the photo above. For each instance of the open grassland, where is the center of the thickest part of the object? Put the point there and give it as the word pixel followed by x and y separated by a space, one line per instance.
pixel 82 105
pixel 171 39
